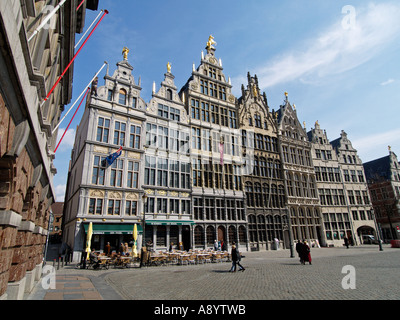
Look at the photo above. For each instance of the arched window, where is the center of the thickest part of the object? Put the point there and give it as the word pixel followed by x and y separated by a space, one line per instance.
pixel 252 228
pixel 169 94
pixel 210 235
pixel 231 234
pixel 122 96
pixel 242 235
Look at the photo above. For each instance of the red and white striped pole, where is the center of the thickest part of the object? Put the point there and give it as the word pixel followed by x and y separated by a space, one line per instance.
pixel 83 99
pixel 80 4
pixel 76 54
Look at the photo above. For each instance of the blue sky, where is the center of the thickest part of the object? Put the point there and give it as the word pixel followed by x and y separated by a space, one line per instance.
pixel 340 65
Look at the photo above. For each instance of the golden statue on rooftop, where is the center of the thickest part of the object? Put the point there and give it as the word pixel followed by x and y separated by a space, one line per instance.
pixel 125 52
pixel 169 67
pixel 210 43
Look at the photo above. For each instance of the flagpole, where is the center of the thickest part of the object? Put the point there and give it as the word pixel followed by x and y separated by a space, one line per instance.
pixel 89 28
pixel 87 91
pixel 76 54
pixel 105 63
pixel 44 22
pixel 80 4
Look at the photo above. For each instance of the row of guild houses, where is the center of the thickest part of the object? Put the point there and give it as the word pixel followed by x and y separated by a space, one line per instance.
pixel 197 165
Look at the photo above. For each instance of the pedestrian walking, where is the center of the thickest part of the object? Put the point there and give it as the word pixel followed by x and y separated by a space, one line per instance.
pixel 235 255
pixel 299 246
pixel 346 242
pixel 215 245
pixel 305 253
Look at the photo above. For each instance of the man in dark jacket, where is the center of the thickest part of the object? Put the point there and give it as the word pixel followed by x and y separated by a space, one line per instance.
pixel 299 247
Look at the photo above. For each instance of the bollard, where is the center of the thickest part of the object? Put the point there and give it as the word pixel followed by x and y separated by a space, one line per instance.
pixel 58 265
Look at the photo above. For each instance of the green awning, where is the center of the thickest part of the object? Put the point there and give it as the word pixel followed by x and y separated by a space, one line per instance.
pixel 113 228
pixel 170 222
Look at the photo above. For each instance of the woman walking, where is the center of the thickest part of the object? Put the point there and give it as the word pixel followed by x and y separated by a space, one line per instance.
pixel 305 253
pixel 235 255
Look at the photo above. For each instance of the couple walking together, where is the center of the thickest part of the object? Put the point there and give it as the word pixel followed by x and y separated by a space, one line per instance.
pixel 303 250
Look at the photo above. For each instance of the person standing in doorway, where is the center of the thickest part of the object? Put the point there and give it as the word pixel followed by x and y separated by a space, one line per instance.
pixel 108 249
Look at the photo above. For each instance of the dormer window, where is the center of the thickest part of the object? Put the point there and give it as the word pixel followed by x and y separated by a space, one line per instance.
pixel 122 96
pixel 169 94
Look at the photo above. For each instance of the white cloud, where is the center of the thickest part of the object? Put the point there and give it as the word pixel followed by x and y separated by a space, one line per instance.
pixel 336 50
pixel 368 146
pixel 60 192
pixel 68 141
pixel 389 81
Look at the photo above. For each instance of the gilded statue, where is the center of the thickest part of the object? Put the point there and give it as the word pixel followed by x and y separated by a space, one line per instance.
pixel 169 67
pixel 125 52
pixel 210 43
pixel 255 92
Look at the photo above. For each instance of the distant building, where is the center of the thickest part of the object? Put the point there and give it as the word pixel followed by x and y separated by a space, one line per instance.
pixel 356 190
pixel 198 165
pixel 55 234
pixel 110 195
pixel 303 202
pixel 263 178
pixel 383 178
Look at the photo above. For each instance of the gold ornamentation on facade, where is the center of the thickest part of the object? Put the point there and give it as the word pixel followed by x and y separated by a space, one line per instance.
pixel 168 67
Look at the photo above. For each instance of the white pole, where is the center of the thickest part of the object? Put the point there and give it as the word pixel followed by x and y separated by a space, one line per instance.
pixel 83 92
pixel 44 22
pixel 89 28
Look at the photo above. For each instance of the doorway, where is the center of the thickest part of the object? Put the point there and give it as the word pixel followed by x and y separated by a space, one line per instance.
pixel 186 237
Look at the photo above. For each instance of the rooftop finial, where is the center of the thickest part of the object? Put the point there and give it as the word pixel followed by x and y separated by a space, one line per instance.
pixel 169 67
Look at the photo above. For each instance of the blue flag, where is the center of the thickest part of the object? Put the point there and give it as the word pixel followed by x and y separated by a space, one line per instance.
pixel 111 158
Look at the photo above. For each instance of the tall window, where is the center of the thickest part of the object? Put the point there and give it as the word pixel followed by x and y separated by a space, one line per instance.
pixel 98 170
pixel 122 97
pixel 195 109
pixel 174 174
pixel 162 137
pixel 150 171
pixel 119 133
pixel 116 173
pixel 151 135
pixel 196 176
pixel 103 129
pixel 134 138
pixel 196 139
pixel 131 208
pixel 162 172
pixel 95 206
pixel 114 207
pixel 133 174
